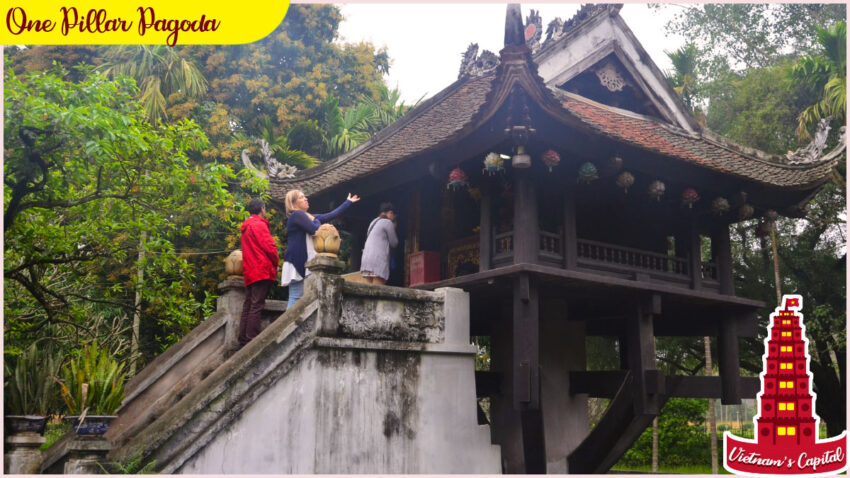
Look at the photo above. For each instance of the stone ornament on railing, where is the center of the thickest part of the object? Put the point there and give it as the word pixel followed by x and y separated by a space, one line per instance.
pixel 326 241
pixel 233 264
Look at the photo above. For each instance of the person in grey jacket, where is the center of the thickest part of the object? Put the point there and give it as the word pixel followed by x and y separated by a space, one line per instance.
pixel 380 237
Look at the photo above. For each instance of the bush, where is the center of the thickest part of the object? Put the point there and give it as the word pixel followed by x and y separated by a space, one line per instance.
pixel 30 383
pixel 93 383
pixel 681 436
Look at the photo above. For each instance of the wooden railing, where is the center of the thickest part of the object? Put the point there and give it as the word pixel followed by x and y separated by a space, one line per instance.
pixel 551 247
pixel 633 259
pixel 503 243
pixel 607 258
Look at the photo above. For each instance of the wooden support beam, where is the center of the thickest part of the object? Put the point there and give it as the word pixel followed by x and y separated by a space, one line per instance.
pixel 729 361
pixel 604 384
pixel 694 255
pixel 640 355
pixel 487 383
pixel 722 254
pixel 533 442
pixel 570 236
pixel 526 342
pixel 526 228
pixel 485 233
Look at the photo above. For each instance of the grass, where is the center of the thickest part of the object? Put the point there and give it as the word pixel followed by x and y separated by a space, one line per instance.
pixel 53 432
pixel 679 470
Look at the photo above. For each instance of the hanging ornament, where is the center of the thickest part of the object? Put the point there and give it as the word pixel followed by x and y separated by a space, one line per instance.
pixel 457 179
pixel 745 212
pixel 588 172
pixel 625 180
pixel 551 158
pixel 720 206
pixel 689 197
pixel 763 228
pixel 656 190
pixel 493 163
pixel 521 160
pixel 614 164
pixel 771 215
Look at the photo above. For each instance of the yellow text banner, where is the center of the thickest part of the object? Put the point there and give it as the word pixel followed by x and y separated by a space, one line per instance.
pixel 149 22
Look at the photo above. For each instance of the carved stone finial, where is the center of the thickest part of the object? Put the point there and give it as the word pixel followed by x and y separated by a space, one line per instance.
pixel 273 166
pixel 533 30
pixel 326 241
pixel 233 264
pixel 514 34
pixel 473 64
pixel 813 151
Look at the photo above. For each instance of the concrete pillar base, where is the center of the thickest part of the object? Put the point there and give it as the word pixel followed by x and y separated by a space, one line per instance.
pixel 23 457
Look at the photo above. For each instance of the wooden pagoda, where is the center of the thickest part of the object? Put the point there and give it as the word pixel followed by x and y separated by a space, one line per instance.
pixel 610 217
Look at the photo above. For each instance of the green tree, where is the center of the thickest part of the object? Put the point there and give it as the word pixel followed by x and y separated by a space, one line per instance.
pixel 681 436
pixel 761 33
pixel 162 74
pixel 684 78
pixel 824 74
pixel 85 175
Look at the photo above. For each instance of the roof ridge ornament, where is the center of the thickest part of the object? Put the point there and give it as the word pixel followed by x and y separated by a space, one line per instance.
pixel 813 152
pixel 514 31
pixel 474 65
pixel 558 28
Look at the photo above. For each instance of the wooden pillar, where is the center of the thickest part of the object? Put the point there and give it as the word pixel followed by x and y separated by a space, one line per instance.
pixel 526 371
pixel 485 232
pixel 729 360
pixel 570 236
pixel 526 229
pixel 722 253
pixel 640 352
pixel 694 255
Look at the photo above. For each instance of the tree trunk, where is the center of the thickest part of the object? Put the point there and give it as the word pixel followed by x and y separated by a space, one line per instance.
pixel 712 417
pixel 134 340
pixel 776 267
pixel 655 445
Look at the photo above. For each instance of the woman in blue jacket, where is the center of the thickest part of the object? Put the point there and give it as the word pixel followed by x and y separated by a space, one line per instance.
pixel 300 227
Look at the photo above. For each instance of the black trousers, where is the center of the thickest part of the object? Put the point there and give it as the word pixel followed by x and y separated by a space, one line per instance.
pixel 252 310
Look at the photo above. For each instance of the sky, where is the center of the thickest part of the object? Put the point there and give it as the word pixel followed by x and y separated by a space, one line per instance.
pixel 425 41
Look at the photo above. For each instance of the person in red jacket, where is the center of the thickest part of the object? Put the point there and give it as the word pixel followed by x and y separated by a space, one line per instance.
pixel 259 266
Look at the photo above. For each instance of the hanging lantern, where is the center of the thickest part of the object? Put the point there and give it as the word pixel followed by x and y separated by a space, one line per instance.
pixel 689 197
pixel 493 163
pixel 457 179
pixel 745 212
pixel 763 228
pixel 614 164
pixel 771 215
pixel 520 159
pixel 656 190
pixel 720 206
pixel 587 172
pixel 625 180
pixel 551 158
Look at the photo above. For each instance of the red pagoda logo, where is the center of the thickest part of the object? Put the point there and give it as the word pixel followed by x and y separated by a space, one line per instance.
pixel 786 427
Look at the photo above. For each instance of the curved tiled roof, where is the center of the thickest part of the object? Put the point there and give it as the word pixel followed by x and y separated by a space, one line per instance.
pixel 456 111
pixel 651 135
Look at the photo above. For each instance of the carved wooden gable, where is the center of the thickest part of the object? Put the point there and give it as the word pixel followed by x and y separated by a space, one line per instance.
pixel 595 55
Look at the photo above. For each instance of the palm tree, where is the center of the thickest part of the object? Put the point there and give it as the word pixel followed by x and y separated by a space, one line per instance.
pixel 344 130
pixel 388 109
pixel 826 75
pixel 280 147
pixel 159 71
pixel 683 77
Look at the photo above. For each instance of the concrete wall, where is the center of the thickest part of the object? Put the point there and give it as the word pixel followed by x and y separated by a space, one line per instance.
pixel 174 373
pixel 353 379
pixel 345 409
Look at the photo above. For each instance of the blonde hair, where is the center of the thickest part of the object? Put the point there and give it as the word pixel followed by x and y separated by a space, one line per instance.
pixel 291 199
